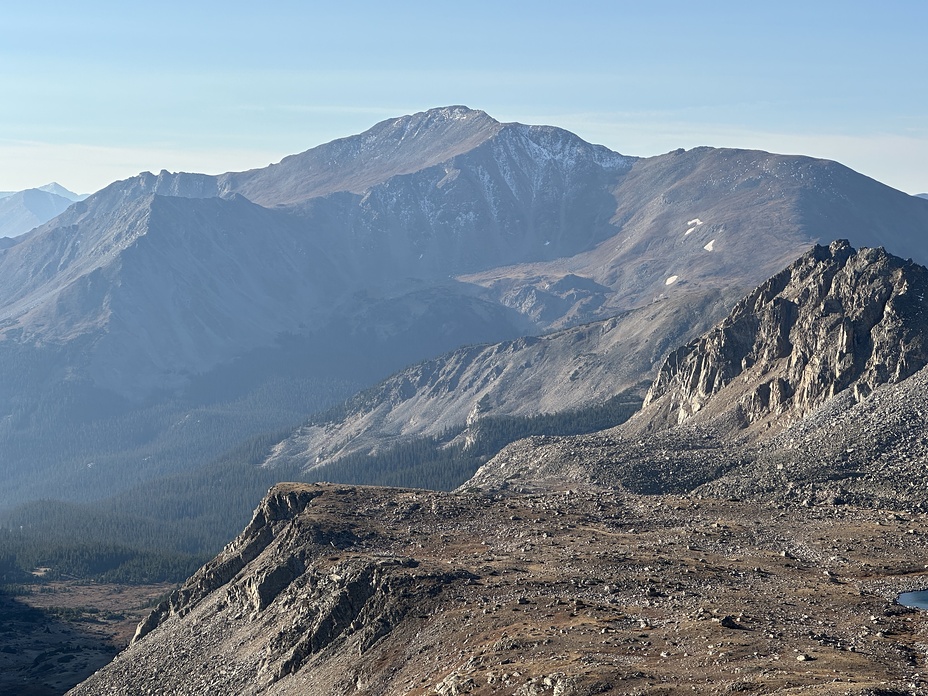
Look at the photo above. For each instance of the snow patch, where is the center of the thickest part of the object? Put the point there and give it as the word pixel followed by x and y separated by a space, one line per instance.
pixel 692 225
pixel 671 280
pixel 710 246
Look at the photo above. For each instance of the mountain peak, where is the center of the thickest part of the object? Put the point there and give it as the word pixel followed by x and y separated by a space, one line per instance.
pixel 22 211
pixel 423 138
pixel 835 320
pixel 59 190
pixel 442 114
pixel 393 147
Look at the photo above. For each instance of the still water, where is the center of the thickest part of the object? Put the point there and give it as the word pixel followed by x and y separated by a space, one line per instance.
pixel 918 600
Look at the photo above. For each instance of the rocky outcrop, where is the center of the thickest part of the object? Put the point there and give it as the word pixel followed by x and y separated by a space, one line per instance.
pixel 312 580
pixel 835 320
pixel 280 506
pixel 811 392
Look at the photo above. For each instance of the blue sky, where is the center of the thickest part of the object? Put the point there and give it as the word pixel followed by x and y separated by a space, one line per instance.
pixel 99 91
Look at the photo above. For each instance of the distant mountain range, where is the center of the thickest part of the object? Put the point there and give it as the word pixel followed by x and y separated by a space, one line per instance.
pixel 54 188
pixel 445 300
pixel 60 190
pixel 21 211
pixel 166 294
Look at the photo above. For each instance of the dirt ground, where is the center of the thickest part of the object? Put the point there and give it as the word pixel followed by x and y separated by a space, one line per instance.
pixel 666 595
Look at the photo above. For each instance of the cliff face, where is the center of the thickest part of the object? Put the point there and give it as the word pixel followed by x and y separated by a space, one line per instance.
pixel 835 320
pixel 279 508
pixel 309 588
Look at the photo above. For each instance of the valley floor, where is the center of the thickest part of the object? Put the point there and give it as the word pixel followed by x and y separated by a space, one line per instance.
pixel 54 635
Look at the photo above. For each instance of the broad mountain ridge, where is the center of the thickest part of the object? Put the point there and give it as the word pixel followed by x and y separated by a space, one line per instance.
pixel 449 192
pixel 320 255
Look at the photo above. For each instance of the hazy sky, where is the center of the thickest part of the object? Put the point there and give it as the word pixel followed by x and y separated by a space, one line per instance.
pixel 98 91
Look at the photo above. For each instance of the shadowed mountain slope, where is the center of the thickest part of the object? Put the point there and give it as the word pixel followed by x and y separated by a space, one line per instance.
pixel 230 275
pixel 553 373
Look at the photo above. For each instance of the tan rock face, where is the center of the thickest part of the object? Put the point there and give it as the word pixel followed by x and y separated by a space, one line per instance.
pixel 834 320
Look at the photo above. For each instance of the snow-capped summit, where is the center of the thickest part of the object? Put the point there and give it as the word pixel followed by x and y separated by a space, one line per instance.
pixel 59 190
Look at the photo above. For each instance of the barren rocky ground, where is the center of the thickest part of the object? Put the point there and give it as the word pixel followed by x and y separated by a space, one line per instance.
pixel 338 590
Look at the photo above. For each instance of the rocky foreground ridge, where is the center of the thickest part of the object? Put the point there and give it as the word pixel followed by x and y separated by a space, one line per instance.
pixel 352 590
pixel 658 560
